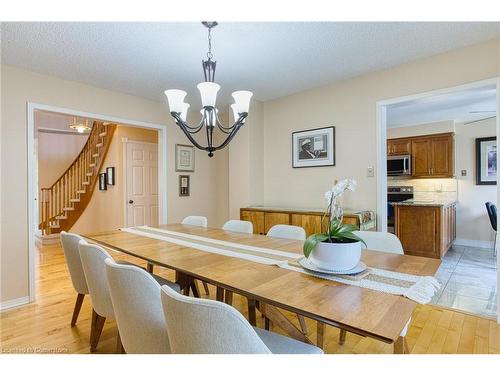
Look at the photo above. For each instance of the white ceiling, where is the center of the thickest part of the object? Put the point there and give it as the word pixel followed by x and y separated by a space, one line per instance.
pixel 462 106
pixel 271 59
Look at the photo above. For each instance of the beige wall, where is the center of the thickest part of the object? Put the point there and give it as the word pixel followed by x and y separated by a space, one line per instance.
pixel 421 129
pixel 106 208
pixel 350 106
pixel 19 87
pixel 473 226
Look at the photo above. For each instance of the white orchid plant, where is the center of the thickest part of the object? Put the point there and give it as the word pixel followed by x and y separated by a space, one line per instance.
pixel 336 232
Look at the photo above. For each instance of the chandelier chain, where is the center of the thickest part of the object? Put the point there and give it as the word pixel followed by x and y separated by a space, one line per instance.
pixel 209 53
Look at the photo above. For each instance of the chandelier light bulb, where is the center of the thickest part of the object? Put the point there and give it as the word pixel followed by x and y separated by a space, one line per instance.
pixel 241 101
pixel 208 92
pixel 176 100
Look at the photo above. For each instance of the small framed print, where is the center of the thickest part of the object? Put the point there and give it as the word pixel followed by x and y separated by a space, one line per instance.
pixel 110 175
pixel 102 181
pixel 184 186
pixel 184 158
pixel 313 148
pixel 486 161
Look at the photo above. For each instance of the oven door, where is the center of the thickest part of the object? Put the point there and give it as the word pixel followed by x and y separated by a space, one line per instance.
pixel 399 165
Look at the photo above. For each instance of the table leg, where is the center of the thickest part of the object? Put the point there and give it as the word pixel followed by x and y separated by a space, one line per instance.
pixel 400 346
pixel 229 297
pixel 219 294
pixel 342 335
pixel 251 312
pixel 278 318
pixel 320 335
pixel 149 267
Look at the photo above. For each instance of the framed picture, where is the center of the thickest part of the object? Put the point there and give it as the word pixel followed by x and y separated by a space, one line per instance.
pixel 110 175
pixel 102 181
pixel 184 158
pixel 184 186
pixel 313 148
pixel 486 161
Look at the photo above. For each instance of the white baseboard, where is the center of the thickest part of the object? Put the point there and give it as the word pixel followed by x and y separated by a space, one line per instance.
pixel 473 243
pixel 14 303
pixel 47 239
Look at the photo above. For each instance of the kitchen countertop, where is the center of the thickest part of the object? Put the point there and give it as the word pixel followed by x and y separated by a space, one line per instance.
pixel 426 202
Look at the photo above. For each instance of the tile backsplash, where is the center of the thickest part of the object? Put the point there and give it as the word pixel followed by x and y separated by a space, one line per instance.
pixel 429 188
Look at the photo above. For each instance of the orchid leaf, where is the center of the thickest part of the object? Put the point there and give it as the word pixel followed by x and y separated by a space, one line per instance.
pixel 312 241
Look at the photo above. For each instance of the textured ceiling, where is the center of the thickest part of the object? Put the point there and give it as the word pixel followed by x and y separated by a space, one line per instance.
pixel 271 59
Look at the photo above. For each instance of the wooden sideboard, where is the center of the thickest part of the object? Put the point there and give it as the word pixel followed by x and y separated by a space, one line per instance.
pixel 425 230
pixel 263 218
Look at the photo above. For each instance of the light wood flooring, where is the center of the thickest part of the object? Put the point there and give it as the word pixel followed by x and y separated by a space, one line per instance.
pixel 44 326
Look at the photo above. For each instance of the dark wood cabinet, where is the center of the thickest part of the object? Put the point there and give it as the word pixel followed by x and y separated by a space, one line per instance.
pixel 432 156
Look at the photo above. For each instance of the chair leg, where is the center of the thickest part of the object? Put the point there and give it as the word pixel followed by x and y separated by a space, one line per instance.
pixel 302 323
pixel 150 267
pixel 78 306
pixel 205 286
pixel 96 330
pixel 342 335
pixel 267 323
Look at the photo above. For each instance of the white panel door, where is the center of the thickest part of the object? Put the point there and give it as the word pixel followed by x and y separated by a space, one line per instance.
pixel 142 184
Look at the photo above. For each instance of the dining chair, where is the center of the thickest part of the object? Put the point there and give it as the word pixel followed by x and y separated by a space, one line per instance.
pixel 69 242
pixel 135 295
pixel 491 209
pixel 199 221
pixel 290 232
pixel 238 226
pixel 384 242
pixel 203 326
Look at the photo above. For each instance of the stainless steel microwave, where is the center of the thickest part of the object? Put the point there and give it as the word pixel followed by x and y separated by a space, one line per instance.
pixel 399 165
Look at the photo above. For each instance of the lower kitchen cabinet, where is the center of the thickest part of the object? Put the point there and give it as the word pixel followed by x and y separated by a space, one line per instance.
pixel 425 230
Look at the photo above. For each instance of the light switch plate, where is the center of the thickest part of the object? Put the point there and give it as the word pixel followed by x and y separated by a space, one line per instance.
pixel 370 171
pixel 464 172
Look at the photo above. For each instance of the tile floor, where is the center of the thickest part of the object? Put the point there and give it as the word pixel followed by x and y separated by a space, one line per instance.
pixel 468 276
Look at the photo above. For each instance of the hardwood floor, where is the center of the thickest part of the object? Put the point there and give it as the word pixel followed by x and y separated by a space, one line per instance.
pixel 44 326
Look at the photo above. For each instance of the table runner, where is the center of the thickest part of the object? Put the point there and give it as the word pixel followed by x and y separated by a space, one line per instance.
pixel 421 289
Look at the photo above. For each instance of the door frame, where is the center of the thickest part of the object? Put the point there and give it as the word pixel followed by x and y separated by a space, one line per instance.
pixel 125 142
pixel 381 107
pixel 32 195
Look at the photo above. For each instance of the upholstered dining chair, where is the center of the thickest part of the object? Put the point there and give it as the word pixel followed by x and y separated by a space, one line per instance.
pixel 202 326
pixel 491 209
pixel 135 295
pixel 241 226
pixel 198 221
pixel 69 242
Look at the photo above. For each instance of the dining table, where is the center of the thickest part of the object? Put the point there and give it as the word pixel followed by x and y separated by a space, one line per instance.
pixel 362 311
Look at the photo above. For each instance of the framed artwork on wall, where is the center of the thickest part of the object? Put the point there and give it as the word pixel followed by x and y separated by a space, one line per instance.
pixel 486 161
pixel 184 158
pixel 313 148
pixel 110 175
pixel 102 181
pixel 184 186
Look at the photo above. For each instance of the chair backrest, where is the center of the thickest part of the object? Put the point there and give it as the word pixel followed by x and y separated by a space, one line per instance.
pixel 199 221
pixel 381 241
pixel 138 311
pixel 93 258
pixel 492 214
pixel 290 232
pixel 238 226
pixel 202 326
pixel 69 242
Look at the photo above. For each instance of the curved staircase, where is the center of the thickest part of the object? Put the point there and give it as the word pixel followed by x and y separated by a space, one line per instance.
pixel 62 204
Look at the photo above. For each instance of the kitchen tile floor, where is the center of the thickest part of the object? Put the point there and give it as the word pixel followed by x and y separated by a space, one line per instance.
pixel 468 276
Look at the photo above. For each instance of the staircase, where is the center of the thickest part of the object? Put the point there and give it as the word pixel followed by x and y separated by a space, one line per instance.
pixel 62 204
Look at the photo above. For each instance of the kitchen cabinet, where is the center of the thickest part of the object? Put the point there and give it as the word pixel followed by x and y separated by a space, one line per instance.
pixel 398 147
pixel 263 218
pixel 432 155
pixel 424 229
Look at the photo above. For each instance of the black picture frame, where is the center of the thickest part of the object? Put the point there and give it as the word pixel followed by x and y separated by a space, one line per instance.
pixel 328 161
pixel 102 182
pixel 110 175
pixel 184 185
pixel 480 162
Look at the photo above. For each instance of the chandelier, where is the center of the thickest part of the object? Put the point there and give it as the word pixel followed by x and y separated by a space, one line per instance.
pixel 80 127
pixel 210 119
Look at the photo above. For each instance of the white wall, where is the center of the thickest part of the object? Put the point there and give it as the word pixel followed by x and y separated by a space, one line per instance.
pixel 21 86
pixel 473 225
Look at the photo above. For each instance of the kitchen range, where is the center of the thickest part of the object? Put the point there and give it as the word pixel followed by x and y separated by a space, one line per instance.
pixel 396 194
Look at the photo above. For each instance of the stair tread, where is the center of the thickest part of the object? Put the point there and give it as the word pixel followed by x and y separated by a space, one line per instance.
pixel 80 191
pixel 85 183
pixel 61 217
pixel 68 209
pixel 95 155
pixel 74 200
pixel 55 226
pixel 98 145
pixel 102 134
pixel 89 174
pixel 92 165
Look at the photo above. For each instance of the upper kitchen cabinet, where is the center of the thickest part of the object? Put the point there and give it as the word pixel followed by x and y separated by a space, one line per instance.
pixel 398 147
pixel 432 156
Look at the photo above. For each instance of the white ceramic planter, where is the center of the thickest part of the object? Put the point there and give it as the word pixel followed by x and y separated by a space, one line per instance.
pixel 336 256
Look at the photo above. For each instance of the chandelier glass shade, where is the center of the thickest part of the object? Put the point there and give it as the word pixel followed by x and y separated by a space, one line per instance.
pixel 209 112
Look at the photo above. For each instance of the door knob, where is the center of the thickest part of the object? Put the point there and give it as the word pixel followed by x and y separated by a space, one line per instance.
pixel 131 201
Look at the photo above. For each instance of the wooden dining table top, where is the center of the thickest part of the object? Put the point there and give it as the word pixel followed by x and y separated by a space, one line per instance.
pixel 364 311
